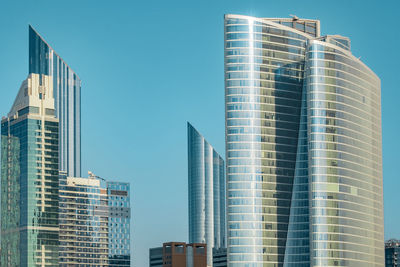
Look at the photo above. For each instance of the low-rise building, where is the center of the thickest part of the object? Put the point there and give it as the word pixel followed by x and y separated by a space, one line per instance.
pixel 179 254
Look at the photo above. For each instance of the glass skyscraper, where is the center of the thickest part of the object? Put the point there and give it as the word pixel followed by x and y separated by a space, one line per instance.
pixel 83 221
pixel 29 177
pixel 49 217
pixel 94 222
pixel 67 96
pixel 303 147
pixel 206 194
pixel 119 218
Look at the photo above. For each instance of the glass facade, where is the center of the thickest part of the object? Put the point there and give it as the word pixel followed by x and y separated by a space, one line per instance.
pixel 392 253
pixel 48 217
pixel 206 194
pixel 67 96
pixel 219 258
pixel 345 157
pixel 119 223
pixel 264 65
pixel 297 250
pixel 83 222
pixel 29 177
pixel 94 222
pixel 303 146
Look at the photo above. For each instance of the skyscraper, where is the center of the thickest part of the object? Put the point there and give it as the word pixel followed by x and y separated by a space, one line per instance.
pixel 40 136
pixel 29 177
pixel 94 222
pixel 303 147
pixel 83 221
pixel 206 193
pixel 119 218
pixel 67 96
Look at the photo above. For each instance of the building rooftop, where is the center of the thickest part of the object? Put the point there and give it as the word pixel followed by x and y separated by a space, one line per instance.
pixel 392 243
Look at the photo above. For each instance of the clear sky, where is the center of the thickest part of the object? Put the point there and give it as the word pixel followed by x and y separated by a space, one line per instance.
pixel 147 67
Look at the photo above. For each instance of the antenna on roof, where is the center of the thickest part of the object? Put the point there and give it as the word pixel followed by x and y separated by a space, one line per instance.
pixel 294 17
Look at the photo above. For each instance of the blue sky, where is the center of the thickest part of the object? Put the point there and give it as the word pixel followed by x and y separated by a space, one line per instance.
pixel 147 67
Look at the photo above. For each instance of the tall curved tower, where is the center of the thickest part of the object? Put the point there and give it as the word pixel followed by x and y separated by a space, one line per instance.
pixel 278 162
pixel 206 173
